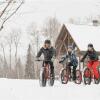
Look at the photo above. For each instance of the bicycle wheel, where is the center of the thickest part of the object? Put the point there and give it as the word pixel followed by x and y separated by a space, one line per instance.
pixel 87 76
pixel 96 81
pixel 42 79
pixel 51 81
pixel 78 77
pixel 99 71
pixel 65 76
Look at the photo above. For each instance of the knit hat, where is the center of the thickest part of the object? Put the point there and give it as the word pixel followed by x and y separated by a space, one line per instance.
pixel 90 45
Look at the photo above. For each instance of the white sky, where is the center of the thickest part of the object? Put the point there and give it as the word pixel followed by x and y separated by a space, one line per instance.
pixel 38 10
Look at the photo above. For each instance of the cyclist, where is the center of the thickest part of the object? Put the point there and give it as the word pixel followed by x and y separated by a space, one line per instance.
pixel 70 57
pixel 49 55
pixel 93 62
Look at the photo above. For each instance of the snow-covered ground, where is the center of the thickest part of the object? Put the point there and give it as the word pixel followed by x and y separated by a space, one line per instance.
pixel 30 90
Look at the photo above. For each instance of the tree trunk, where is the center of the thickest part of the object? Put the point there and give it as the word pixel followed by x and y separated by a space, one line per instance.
pixel 16 55
pixel 10 58
pixel 4 54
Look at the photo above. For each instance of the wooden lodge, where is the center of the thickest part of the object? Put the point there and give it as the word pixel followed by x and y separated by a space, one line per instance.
pixel 79 36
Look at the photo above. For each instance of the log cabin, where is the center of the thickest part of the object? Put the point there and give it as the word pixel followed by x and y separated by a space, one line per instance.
pixel 79 36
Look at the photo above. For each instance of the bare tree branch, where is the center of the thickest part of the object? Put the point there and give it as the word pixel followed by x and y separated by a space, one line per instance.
pixel 7 18
pixel 5 8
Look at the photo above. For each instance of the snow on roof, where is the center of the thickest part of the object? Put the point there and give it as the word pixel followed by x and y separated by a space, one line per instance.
pixel 85 34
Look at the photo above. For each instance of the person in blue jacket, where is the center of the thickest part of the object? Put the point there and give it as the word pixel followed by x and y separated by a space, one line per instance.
pixel 71 60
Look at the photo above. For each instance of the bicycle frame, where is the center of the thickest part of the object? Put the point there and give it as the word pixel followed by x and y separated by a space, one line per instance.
pixel 46 67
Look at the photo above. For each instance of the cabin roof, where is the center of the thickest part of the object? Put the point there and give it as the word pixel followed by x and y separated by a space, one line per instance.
pixel 85 34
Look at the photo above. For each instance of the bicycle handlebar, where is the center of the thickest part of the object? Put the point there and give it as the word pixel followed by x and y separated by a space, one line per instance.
pixel 42 60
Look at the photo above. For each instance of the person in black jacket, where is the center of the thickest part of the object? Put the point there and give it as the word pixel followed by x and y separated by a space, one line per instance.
pixel 93 60
pixel 49 54
pixel 71 60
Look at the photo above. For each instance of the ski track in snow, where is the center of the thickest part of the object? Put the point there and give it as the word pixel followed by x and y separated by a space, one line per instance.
pixel 30 90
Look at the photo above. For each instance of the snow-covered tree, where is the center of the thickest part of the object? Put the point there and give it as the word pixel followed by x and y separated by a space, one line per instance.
pixel 19 69
pixel 51 28
pixel 10 40
pixel 34 35
pixel 16 38
pixel 29 68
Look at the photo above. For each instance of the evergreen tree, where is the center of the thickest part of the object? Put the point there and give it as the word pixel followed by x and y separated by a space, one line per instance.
pixel 29 68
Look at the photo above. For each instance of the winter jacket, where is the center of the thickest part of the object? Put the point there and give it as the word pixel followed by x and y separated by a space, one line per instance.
pixel 48 53
pixel 91 55
pixel 72 58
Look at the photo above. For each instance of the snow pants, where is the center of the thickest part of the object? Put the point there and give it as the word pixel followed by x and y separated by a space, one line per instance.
pixel 93 66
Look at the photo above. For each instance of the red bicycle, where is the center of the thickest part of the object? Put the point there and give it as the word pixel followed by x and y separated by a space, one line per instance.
pixel 66 75
pixel 89 75
pixel 45 74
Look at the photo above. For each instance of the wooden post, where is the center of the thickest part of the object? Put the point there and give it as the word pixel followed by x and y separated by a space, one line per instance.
pixel 62 44
pixel 65 47
pixel 68 39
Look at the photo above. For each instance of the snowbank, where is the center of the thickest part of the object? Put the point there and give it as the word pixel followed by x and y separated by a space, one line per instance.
pixel 30 90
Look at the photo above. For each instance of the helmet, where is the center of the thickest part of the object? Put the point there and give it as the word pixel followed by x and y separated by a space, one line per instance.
pixel 47 41
pixel 90 45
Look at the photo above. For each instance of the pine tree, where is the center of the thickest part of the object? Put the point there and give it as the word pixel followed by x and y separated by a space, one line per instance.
pixel 19 69
pixel 29 68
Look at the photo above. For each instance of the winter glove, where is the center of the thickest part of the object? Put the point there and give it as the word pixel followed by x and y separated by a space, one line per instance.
pixel 53 59
pixel 60 61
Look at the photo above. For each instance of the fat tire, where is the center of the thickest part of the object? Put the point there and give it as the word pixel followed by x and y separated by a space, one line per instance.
pixel 42 78
pixel 62 76
pixel 87 80
pixel 78 77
